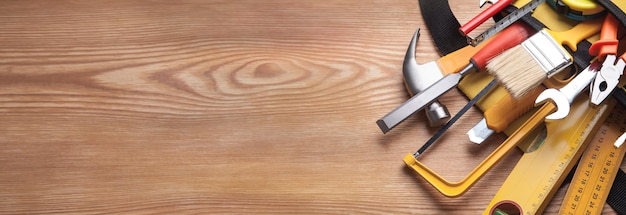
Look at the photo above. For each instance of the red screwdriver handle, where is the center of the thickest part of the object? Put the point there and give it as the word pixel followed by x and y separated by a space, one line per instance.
pixel 483 16
pixel 506 39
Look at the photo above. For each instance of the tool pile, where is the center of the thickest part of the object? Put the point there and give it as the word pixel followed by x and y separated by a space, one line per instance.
pixel 526 52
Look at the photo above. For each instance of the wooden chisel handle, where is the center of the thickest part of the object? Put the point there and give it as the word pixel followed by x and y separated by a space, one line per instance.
pixel 508 109
pixel 457 60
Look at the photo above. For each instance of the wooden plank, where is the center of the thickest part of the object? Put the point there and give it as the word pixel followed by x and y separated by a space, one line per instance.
pixel 219 107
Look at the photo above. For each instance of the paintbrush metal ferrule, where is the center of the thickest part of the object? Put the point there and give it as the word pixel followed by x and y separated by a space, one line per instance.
pixel 547 52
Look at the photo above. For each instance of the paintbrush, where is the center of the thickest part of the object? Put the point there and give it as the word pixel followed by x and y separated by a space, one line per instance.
pixel 541 56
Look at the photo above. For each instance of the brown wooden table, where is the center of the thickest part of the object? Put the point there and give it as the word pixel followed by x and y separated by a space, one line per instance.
pixel 222 107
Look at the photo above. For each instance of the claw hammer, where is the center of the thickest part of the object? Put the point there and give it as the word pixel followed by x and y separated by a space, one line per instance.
pixel 418 77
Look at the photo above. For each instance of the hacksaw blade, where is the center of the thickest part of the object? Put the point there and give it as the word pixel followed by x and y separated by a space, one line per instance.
pixel 538 174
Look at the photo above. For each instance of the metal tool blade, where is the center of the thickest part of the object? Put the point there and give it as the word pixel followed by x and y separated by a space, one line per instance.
pixel 456 117
pixel 418 101
pixel 479 132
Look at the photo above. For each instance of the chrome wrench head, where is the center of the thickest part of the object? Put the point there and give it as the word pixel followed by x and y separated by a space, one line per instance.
pixel 561 102
pixel 563 97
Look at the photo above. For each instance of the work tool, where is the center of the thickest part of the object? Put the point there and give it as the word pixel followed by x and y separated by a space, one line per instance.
pixel 500 115
pixel 542 57
pixel 454 119
pixel 452 189
pixel 597 168
pixel 578 9
pixel 504 22
pixel 563 97
pixel 606 49
pixel 419 77
pixel 537 176
pixel 506 39
pixel 483 16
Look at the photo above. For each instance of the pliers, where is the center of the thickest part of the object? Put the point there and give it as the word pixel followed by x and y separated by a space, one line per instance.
pixel 606 49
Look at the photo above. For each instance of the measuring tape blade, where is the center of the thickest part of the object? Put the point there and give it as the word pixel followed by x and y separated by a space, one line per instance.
pixel 538 174
pixel 597 168
pixel 504 22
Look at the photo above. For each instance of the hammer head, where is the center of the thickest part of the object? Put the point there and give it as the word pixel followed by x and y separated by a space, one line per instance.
pixel 419 77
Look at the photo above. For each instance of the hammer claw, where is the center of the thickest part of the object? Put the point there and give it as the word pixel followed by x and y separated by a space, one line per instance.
pixel 419 77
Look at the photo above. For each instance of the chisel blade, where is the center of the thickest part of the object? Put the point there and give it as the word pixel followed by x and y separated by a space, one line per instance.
pixel 418 102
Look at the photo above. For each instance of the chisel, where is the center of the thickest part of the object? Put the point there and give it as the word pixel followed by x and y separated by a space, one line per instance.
pixel 508 38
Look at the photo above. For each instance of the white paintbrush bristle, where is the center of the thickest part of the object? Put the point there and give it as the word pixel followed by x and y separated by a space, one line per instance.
pixel 517 71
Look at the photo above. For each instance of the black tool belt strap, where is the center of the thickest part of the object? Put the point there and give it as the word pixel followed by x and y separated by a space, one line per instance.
pixel 443 25
pixel 614 9
pixel 618 191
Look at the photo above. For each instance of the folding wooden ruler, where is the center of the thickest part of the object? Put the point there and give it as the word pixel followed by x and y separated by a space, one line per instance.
pixel 538 174
pixel 597 168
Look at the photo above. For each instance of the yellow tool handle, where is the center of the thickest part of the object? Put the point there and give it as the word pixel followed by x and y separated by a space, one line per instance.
pixel 505 111
pixel 457 60
pixel 577 33
pixel 454 189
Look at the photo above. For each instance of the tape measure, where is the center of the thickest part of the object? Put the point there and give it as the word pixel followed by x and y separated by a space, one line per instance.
pixel 538 174
pixel 597 169
pixel 505 22
pixel 578 9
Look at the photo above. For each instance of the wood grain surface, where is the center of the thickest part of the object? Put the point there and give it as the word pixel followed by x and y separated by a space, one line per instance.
pixel 246 107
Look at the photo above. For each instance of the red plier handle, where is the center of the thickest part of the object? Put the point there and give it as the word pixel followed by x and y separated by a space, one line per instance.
pixel 606 49
pixel 608 43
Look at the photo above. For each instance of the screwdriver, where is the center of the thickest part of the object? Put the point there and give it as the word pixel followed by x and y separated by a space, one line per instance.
pixel 498 116
pixel 510 37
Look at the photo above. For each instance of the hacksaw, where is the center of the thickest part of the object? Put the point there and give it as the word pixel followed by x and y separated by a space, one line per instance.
pixel 538 174
pixel 597 168
pixel 454 189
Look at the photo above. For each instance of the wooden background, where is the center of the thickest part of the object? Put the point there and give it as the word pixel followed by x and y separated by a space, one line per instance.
pixel 222 107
